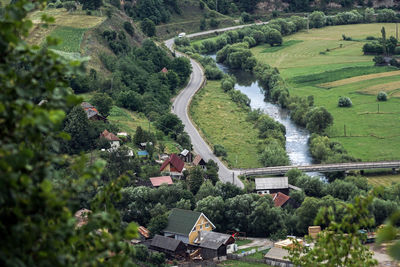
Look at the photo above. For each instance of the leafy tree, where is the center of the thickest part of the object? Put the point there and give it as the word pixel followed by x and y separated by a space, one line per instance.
pixel 203 23
pixel 317 19
pixel 148 27
pixel 344 102
pixel 170 124
pixel 318 119
pixel 214 23
pixel 77 126
pixel 212 171
pixel 182 66
pixel 195 179
pixel 340 244
pixel 369 14
pixel 307 213
pixel 36 223
pixel 128 28
pixel 227 190
pixel 382 96
pixel 206 189
pixel 274 154
pixel 184 204
pixel 266 219
pixel 274 37
pixel 386 15
pixel 214 208
pixel 157 224
pixel 219 150
pixel 102 102
pixel 91 4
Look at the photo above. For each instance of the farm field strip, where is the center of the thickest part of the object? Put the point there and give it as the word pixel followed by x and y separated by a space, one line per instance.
pixel 386 87
pixel 359 78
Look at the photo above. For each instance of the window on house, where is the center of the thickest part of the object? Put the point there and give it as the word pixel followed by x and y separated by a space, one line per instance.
pixel 207 225
pixel 201 226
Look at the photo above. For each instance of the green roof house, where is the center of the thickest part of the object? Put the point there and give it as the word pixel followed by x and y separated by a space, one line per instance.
pixel 185 225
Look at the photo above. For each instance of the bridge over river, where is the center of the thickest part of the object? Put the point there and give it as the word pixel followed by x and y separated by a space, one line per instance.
pixel 279 170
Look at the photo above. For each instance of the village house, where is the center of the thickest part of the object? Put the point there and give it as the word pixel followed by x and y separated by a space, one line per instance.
pixel 112 138
pixel 213 245
pixel 157 181
pixel 282 200
pixel 173 166
pixel 272 185
pixel 185 225
pixel 199 161
pixel 92 113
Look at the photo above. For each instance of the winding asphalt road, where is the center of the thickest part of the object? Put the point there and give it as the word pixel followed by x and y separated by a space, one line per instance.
pixel 181 105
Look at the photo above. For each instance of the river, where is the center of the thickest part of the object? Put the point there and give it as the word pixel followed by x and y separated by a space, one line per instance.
pixel 296 137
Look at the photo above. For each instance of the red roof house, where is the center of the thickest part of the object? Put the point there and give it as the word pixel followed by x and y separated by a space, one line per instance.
pixel 172 164
pixel 109 136
pixel 279 199
pixel 157 181
pixel 164 70
pixel 91 112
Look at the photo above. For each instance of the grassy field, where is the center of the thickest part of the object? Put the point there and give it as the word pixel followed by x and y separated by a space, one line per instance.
pixel 68 27
pixel 384 180
pixel 345 71
pixel 221 121
pixel 243 242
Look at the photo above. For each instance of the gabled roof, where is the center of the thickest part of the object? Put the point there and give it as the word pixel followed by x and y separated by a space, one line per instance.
pixel 215 237
pixel 157 181
pixel 164 70
pixel 279 199
pixel 197 160
pixel 90 110
pixel 109 136
pixel 182 221
pixel 271 183
pixel 166 243
pixel 175 161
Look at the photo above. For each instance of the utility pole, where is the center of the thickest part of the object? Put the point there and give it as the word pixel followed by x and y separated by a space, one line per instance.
pixel 344 129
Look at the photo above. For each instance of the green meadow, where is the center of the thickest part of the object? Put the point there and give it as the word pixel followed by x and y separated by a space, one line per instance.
pixel 221 121
pixel 321 65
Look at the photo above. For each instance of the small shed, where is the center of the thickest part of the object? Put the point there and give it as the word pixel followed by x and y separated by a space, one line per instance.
pixel 186 155
pixel 157 181
pixel 215 237
pixel 144 233
pixel 212 250
pixel 112 138
pixel 272 185
pixel 170 246
pixel 199 161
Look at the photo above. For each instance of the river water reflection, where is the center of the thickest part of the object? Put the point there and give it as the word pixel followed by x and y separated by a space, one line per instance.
pixel 296 137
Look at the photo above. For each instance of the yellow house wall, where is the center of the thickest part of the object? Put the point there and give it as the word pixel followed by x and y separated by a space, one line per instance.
pixel 167 168
pixel 201 222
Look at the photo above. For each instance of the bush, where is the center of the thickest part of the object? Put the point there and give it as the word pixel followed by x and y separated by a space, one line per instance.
pixel 371 38
pixel 219 150
pixel 346 38
pixel 372 48
pixel 213 73
pixel 228 83
pixel 214 23
pixel 58 4
pixel 382 96
pixel 245 17
pixel 183 41
pixel 379 60
pixel 344 102
pixel 128 28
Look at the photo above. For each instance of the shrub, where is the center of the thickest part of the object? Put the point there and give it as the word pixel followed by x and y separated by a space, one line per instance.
pixel 245 17
pixel 219 150
pixel 379 60
pixel 128 28
pixel 372 48
pixel 214 23
pixel 371 38
pixel 213 73
pixel 346 38
pixel 344 102
pixel 228 83
pixel 394 62
pixel 382 96
pixel 58 4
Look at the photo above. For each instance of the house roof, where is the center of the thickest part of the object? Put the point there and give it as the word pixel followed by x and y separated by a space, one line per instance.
pixel 144 232
pixel 214 236
pixel 164 70
pixel 90 110
pixel 185 152
pixel 197 160
pixel 175 161
pixel 181 221
pixel 157 181
pixel 211 244
pixel 271 183
pixel 109 136
pixel 166 243
pixel 279 199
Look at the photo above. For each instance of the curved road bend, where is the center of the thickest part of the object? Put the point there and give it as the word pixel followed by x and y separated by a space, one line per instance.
pixel 181 106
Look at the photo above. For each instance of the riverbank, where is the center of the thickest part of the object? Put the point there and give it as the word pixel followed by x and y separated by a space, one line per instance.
pixel 222 121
